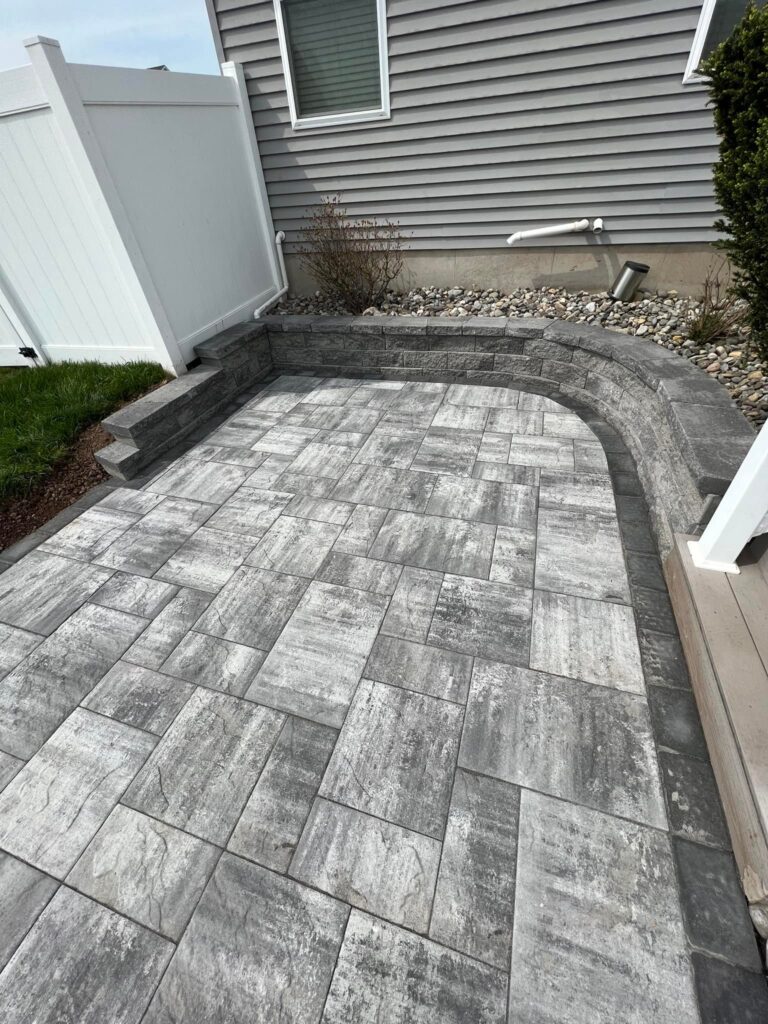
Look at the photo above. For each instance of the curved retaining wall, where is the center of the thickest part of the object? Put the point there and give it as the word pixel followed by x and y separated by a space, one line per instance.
pixel 684 434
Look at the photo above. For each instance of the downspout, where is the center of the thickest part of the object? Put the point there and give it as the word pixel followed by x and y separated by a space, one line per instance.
pixel 279 239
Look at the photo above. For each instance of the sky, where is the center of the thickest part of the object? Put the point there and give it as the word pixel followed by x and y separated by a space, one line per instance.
pixel 123 33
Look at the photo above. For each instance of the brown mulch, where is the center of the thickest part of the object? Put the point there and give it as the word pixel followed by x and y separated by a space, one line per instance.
pixel 67 482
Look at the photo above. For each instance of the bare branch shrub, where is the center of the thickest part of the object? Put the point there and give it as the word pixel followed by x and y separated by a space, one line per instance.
pixel 353 261
pixel 721 312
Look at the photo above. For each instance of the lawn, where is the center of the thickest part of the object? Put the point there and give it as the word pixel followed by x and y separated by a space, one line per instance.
pixel 43 410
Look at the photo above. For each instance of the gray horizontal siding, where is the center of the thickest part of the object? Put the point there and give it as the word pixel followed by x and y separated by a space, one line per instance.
pixel 503 117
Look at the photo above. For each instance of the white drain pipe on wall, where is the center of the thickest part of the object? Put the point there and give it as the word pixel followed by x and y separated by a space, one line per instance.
pixel 279 239
pixel 556 229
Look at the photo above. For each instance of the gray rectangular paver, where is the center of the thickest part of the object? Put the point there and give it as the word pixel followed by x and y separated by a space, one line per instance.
pixel 569 739
pixel 152 540
pixel 369 863
pixel 447 451
pixel 566 424
pixel 484 501
pixel 315 665
pixel 360 531
pixel 475 896
pixel 580 553
pixel 494 448
pixel 250 512
pixel 9 767
pixel 202 771
pixel 201 481
pixel 296 546
pixel 253 607
pixel 218 664
pixel 360 573
pixel 274 817
pixel 539 403
pixel 515 421
pixel 52 809
pixel 164 633
pixel 482 397
pixel 388 974
pixel 591 640
pixel 303 483
pixel 259 949
pixel 268 472
pixel 15 645
pixel 139 697
pixel 514 556
pixel 333 391
pixel 413 604
pixel 40 591
pixel 24 893
pixel 146 870
pixel 488 620
pixel 387 488
pixel 105 967
pixel 395 757
pixel 506 474
pixel 129 500
pixel 460 417
pixel 357 420
pixel 435 542
pixel 136 594
pixel 544 452
pixel 599 878
pixel 324 460
pixel 42 690
pixel 430 670
pixel 322 509
pixel 589 457
pixel 90 534
pixel 587 492
pixel 207 560
pixel 285 440
pixel 392 450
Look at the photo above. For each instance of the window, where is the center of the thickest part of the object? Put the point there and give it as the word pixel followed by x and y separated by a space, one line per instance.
pixel 335 60
pixel 717 20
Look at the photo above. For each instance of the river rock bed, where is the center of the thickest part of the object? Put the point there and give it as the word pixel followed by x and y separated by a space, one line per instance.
pixel 661 317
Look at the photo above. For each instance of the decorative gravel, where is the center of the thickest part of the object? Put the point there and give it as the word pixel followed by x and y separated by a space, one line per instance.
pixel 662 317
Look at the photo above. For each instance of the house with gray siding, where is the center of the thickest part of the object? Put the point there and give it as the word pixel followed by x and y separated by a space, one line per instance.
pixel 468 121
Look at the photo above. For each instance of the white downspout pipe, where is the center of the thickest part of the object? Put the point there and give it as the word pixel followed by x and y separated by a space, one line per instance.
pixel 279 239
pixel 556 229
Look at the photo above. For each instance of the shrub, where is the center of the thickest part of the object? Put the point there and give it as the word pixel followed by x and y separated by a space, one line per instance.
pixel 721 313
pixel 353 261
pixel 738 74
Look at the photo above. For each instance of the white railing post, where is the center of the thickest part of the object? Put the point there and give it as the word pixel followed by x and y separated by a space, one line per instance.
pixel 739 515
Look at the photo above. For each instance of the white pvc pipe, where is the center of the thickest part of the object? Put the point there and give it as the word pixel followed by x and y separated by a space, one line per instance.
pixel 279 239
pixel 739 516
pixel 557 229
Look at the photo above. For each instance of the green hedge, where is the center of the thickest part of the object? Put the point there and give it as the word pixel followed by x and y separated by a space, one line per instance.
pixel 738 74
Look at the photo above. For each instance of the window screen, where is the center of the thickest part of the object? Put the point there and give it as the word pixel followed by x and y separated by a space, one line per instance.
pixel 333 48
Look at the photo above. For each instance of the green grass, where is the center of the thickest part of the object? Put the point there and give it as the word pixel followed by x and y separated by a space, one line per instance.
pixel 43 410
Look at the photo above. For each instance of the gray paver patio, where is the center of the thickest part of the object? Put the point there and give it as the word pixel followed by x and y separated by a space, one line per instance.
pixel 343 717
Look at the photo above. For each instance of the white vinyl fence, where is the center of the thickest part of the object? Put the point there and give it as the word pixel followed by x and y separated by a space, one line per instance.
pixel 134 221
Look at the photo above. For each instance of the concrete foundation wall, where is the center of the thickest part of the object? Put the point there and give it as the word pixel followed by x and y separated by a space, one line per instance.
pixel 590 267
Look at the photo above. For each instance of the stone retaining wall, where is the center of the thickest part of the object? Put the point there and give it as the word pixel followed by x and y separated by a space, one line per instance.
pixel 684 434
pixel 680 428
pixel 230 361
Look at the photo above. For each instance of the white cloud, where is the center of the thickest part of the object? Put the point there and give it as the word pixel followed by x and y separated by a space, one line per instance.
pixel 131 33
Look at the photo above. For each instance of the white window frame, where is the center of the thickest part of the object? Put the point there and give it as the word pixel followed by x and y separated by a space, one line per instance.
pixel 691 76
pixel 349 117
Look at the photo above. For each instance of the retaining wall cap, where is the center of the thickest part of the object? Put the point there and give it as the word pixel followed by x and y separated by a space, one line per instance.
pixel 484 325
pixel 444 325
pixel 230 340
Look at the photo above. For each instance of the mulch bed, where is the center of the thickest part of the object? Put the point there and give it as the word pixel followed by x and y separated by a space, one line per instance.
pixel 70 479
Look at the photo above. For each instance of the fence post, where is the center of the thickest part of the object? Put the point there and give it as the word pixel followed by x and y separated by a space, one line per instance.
pixel 739 516
pixel 231 69
pixel 98 188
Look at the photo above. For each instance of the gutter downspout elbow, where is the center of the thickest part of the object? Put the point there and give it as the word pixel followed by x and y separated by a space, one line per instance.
pixel 279 239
